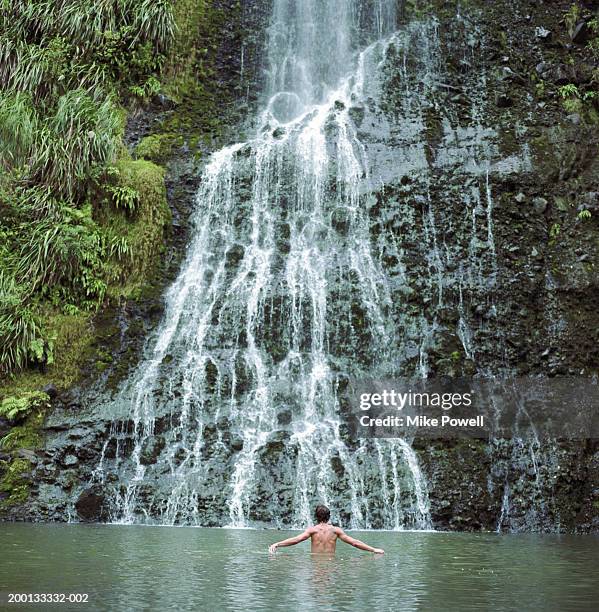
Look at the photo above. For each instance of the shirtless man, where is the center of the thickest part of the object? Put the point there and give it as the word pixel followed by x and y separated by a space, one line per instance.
pixel 324 536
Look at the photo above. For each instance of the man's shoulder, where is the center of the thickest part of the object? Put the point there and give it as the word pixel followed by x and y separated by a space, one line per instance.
pixel 324 529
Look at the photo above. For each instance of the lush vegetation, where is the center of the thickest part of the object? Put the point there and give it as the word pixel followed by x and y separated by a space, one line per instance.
pixel 75 211
pixel 83 221
pixel 17 408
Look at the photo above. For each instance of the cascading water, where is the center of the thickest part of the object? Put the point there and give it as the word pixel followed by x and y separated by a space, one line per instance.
pixel 247 335
pixel 286 290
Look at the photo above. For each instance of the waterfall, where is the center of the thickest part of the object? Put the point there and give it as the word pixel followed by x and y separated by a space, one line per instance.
pixel 242 363
pixel 322 250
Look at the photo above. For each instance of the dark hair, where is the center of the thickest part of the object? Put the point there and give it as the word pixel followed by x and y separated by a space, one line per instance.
pixel 322 514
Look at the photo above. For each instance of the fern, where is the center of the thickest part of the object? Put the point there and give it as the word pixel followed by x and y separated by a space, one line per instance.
pixel 12 407
pixel 124 197
pixel 569 91
pixel 17 408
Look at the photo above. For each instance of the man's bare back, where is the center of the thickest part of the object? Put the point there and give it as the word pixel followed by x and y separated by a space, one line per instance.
pixel 323 537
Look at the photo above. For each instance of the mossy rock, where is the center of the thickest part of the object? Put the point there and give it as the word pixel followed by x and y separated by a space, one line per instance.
pixel 155 147
pixel 74 336
pixel 14 482
pixel 25 436
pixel 144 230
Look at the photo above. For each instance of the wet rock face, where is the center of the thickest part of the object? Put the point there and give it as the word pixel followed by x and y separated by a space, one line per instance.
pixel 91 504
pixel 491 271
pixel 151 450
pixel 512 485
pixel 538 315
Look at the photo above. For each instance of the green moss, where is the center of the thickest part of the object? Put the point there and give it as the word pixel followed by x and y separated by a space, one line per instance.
pixel 14 472
pixel 189 73
pixel 143 232
pixel 27 435
pixel 188 48
pixel 155 147
pixel 189 15
pixel 592 116
pixel 21 437
pixel 74 336
pixel 573 105
pixel 14 482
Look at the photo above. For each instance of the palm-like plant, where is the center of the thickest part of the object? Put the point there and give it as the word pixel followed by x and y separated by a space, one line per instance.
pixel 46 71
pixel 153 20
pixel 80 135
pixel 19 125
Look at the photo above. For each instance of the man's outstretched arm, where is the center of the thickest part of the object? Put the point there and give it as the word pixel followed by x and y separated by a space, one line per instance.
pixel 290 541
pixel 357 543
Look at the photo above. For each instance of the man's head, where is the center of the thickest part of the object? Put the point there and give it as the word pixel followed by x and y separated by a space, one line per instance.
pixel 322 514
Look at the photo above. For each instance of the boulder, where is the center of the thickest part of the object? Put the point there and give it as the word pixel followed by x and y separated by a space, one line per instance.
pixel 580 33
pixel 539 205
pixel 51 391
pixel 91 505
pixel 70 460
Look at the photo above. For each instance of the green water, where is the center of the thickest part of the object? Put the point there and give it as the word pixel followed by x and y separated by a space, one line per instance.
pixel 162 568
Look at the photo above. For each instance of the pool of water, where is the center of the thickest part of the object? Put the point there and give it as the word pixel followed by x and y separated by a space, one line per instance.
pixel 166 568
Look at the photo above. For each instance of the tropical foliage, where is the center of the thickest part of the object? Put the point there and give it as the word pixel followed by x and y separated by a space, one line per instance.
pixel 67 68
pixel 17 408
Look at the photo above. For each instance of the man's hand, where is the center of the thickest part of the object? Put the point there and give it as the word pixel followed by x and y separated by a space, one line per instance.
pixel 272 549
pixel 378 551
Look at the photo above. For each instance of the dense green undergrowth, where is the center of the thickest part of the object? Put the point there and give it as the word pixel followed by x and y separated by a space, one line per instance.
pixel 80 221
pixel 83 221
